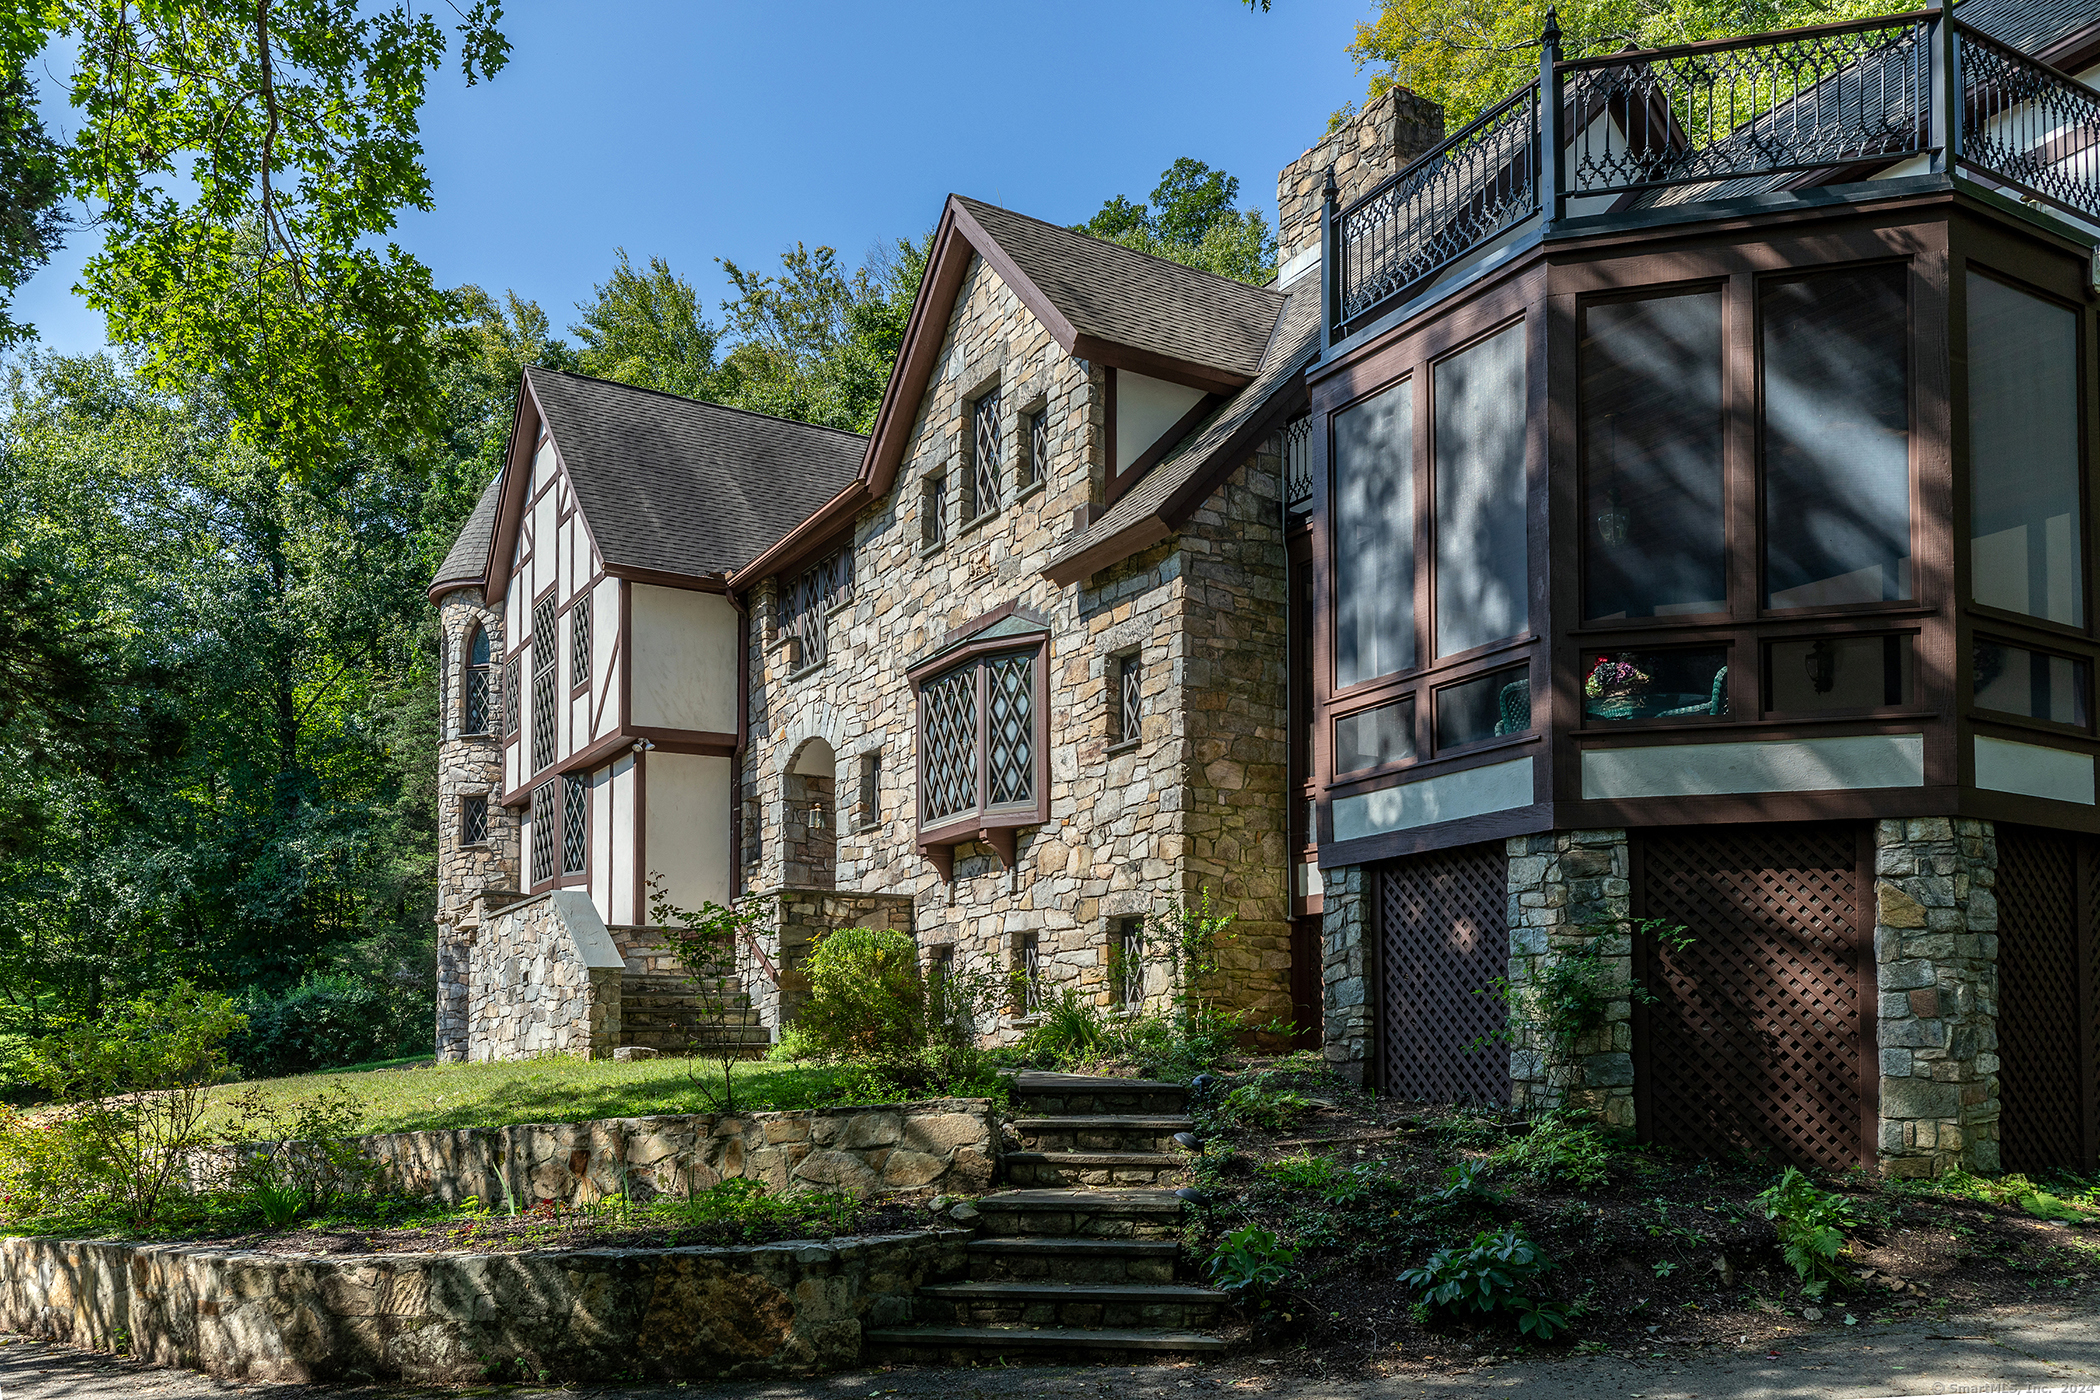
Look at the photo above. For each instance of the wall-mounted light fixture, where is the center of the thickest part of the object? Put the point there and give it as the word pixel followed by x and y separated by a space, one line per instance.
pixel 644 746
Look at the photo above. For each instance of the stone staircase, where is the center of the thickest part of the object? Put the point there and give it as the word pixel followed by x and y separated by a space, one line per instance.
pixel 664 1011
pixel 1079 1261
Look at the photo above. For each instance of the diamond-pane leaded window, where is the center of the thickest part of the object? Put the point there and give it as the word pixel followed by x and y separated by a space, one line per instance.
pixel 544 818
pixel 823 586
pixel 1028 962
pixel 510 696
pixel 984 456
pixel 1038 463
pixel 1010 708
pixel 580 642
pixel 475 693
pixel 544 650
pixel 979 727
pixel 575 805
pixel 473 821
pixel 1128 700
pixel 1129 957
pixel 949 707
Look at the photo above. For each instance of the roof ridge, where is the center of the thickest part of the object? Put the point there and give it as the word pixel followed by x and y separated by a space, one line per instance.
pixel 1124 247
pixel 704 403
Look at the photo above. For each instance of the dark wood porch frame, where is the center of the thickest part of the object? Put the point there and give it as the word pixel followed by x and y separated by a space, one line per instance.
pixel 1938 234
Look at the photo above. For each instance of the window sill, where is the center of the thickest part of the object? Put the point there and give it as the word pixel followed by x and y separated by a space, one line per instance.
pixel 932 547
pixel 976 520
pixel 1032 488
pixel 811 669
pixel 1127 746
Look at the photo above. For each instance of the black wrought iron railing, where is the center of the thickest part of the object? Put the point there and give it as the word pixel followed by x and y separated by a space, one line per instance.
pixel 1476 184
pixel 1297 464
pixel 2028 126
pixel 1763 105
pixel 1706 121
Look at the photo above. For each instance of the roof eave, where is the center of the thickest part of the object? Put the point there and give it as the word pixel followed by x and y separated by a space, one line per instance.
pixel 804 540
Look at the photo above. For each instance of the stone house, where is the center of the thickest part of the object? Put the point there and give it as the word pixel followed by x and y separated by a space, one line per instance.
pixel 1629 511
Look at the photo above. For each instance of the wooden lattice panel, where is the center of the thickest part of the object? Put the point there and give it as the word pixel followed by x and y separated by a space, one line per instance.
pixel 1756 1045
pixel 2045 1076
pixel 1443 934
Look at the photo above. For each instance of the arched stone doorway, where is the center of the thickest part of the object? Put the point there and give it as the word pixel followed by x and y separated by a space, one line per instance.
pixel 809 828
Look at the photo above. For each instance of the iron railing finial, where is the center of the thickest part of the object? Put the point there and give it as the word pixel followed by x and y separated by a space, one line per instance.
pixel 1549 37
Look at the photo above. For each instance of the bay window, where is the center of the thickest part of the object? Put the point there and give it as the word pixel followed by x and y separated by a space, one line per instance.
pixel 983 768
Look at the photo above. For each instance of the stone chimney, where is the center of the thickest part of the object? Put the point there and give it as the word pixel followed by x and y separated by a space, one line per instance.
pixel 1387 135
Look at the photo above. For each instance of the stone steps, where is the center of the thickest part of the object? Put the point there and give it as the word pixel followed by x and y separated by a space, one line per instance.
pixel 992 1303
pixel 1100 1132
pixel 1071 1259
pixel 1091 1168
pixel 1037 1092
pixel 663 1011
pixel 976 1346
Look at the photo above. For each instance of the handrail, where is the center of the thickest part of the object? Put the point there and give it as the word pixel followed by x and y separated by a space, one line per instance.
pixel 1743 41
pixel 2024 122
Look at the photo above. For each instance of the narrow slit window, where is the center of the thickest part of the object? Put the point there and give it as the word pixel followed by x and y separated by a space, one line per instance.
pixel 474 821
pixel 545 649
pixel 1028 971
pixel 1126 962
pixel 476 688
pixel 870 803
pixel 510 696
pixel 933 511
pixel 1129 700
pixel 1836 392
pixel 580 642
pixel 545 816
pixel 1036 466
pixel 983 484
pixel 575 812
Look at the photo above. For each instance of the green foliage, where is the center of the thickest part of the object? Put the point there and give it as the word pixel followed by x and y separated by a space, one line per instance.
pixel 753 1212
pixel 32 183
pixel 1812 1225
pixel 813 342
pixel 2044 1206
pixel 1469 56
pixel 299 1154
pixel 1571 994
pixel 328 1019
pixel 1252 1264
pixel 1497 1272
pixel 1465 1183
pixel 709 944
pixel 1306 1171
pixel 135 1086
pixel 1559 1147
pixel 1257 1106
pixel 1191 220
pixel 872 1008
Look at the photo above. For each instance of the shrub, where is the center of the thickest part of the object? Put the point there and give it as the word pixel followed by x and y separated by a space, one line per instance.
pixel 1252 1264
pixel 1495 1273
pixel 328 1020
pixel 1812 1223
pixel 1304 1172
pixel 1559 1147
pixel 870 1006
pixel 1252 1105
pixel 299 1156
pixel 137 1082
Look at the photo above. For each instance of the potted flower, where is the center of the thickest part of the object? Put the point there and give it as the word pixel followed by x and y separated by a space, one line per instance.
pixel 1614 687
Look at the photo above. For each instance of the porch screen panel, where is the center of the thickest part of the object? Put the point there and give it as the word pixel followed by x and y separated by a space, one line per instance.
pixel 2025 520
pixel 1836 393
pixel 1482 559
pixel 1374 537
pixel 1651 450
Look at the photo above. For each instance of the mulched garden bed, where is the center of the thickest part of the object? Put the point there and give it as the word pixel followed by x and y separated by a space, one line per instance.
pixel 1668 1255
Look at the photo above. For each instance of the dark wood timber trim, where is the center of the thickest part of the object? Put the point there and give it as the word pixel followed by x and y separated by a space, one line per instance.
pixel 661 578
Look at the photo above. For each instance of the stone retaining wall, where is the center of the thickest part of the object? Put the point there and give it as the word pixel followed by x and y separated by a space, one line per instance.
pixel 602 1314
pixel 934 1145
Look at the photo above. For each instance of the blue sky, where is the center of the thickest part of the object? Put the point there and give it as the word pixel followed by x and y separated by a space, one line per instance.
pixel 694 130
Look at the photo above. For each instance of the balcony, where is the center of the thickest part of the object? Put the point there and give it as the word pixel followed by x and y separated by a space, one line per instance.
pixel 1659 129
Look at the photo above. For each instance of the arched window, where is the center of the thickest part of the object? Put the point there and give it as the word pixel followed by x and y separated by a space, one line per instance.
pixel 474 687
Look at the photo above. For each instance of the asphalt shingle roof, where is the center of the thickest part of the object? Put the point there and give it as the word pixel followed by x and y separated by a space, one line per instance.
pixel 686 487
pixel 1294 344
pixel 468 559
pixel 1130 298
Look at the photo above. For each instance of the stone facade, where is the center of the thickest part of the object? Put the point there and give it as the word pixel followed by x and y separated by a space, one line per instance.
pixel 1350 1010
pixel 1936 965
pixel 1197 803
pixel 544 978
pixel 561 1315
pixel 1392 130
pixel 1566 887
pixel 469 765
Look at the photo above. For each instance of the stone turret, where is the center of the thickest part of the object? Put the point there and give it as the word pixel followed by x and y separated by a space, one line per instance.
pixel 469 800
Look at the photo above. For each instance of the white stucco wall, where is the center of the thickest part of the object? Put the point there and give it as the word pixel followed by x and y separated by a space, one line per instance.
pixel 686 797
pixel 683 653
pixel 1145 408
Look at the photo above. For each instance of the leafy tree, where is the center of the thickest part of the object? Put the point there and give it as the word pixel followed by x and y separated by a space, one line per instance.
pixel 1470 54
pixel 32 181
pixel 1190 219
pixel 812 342
pixel 246 160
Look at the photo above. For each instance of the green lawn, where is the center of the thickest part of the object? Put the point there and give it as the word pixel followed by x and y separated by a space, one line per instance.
pixel 552 1090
